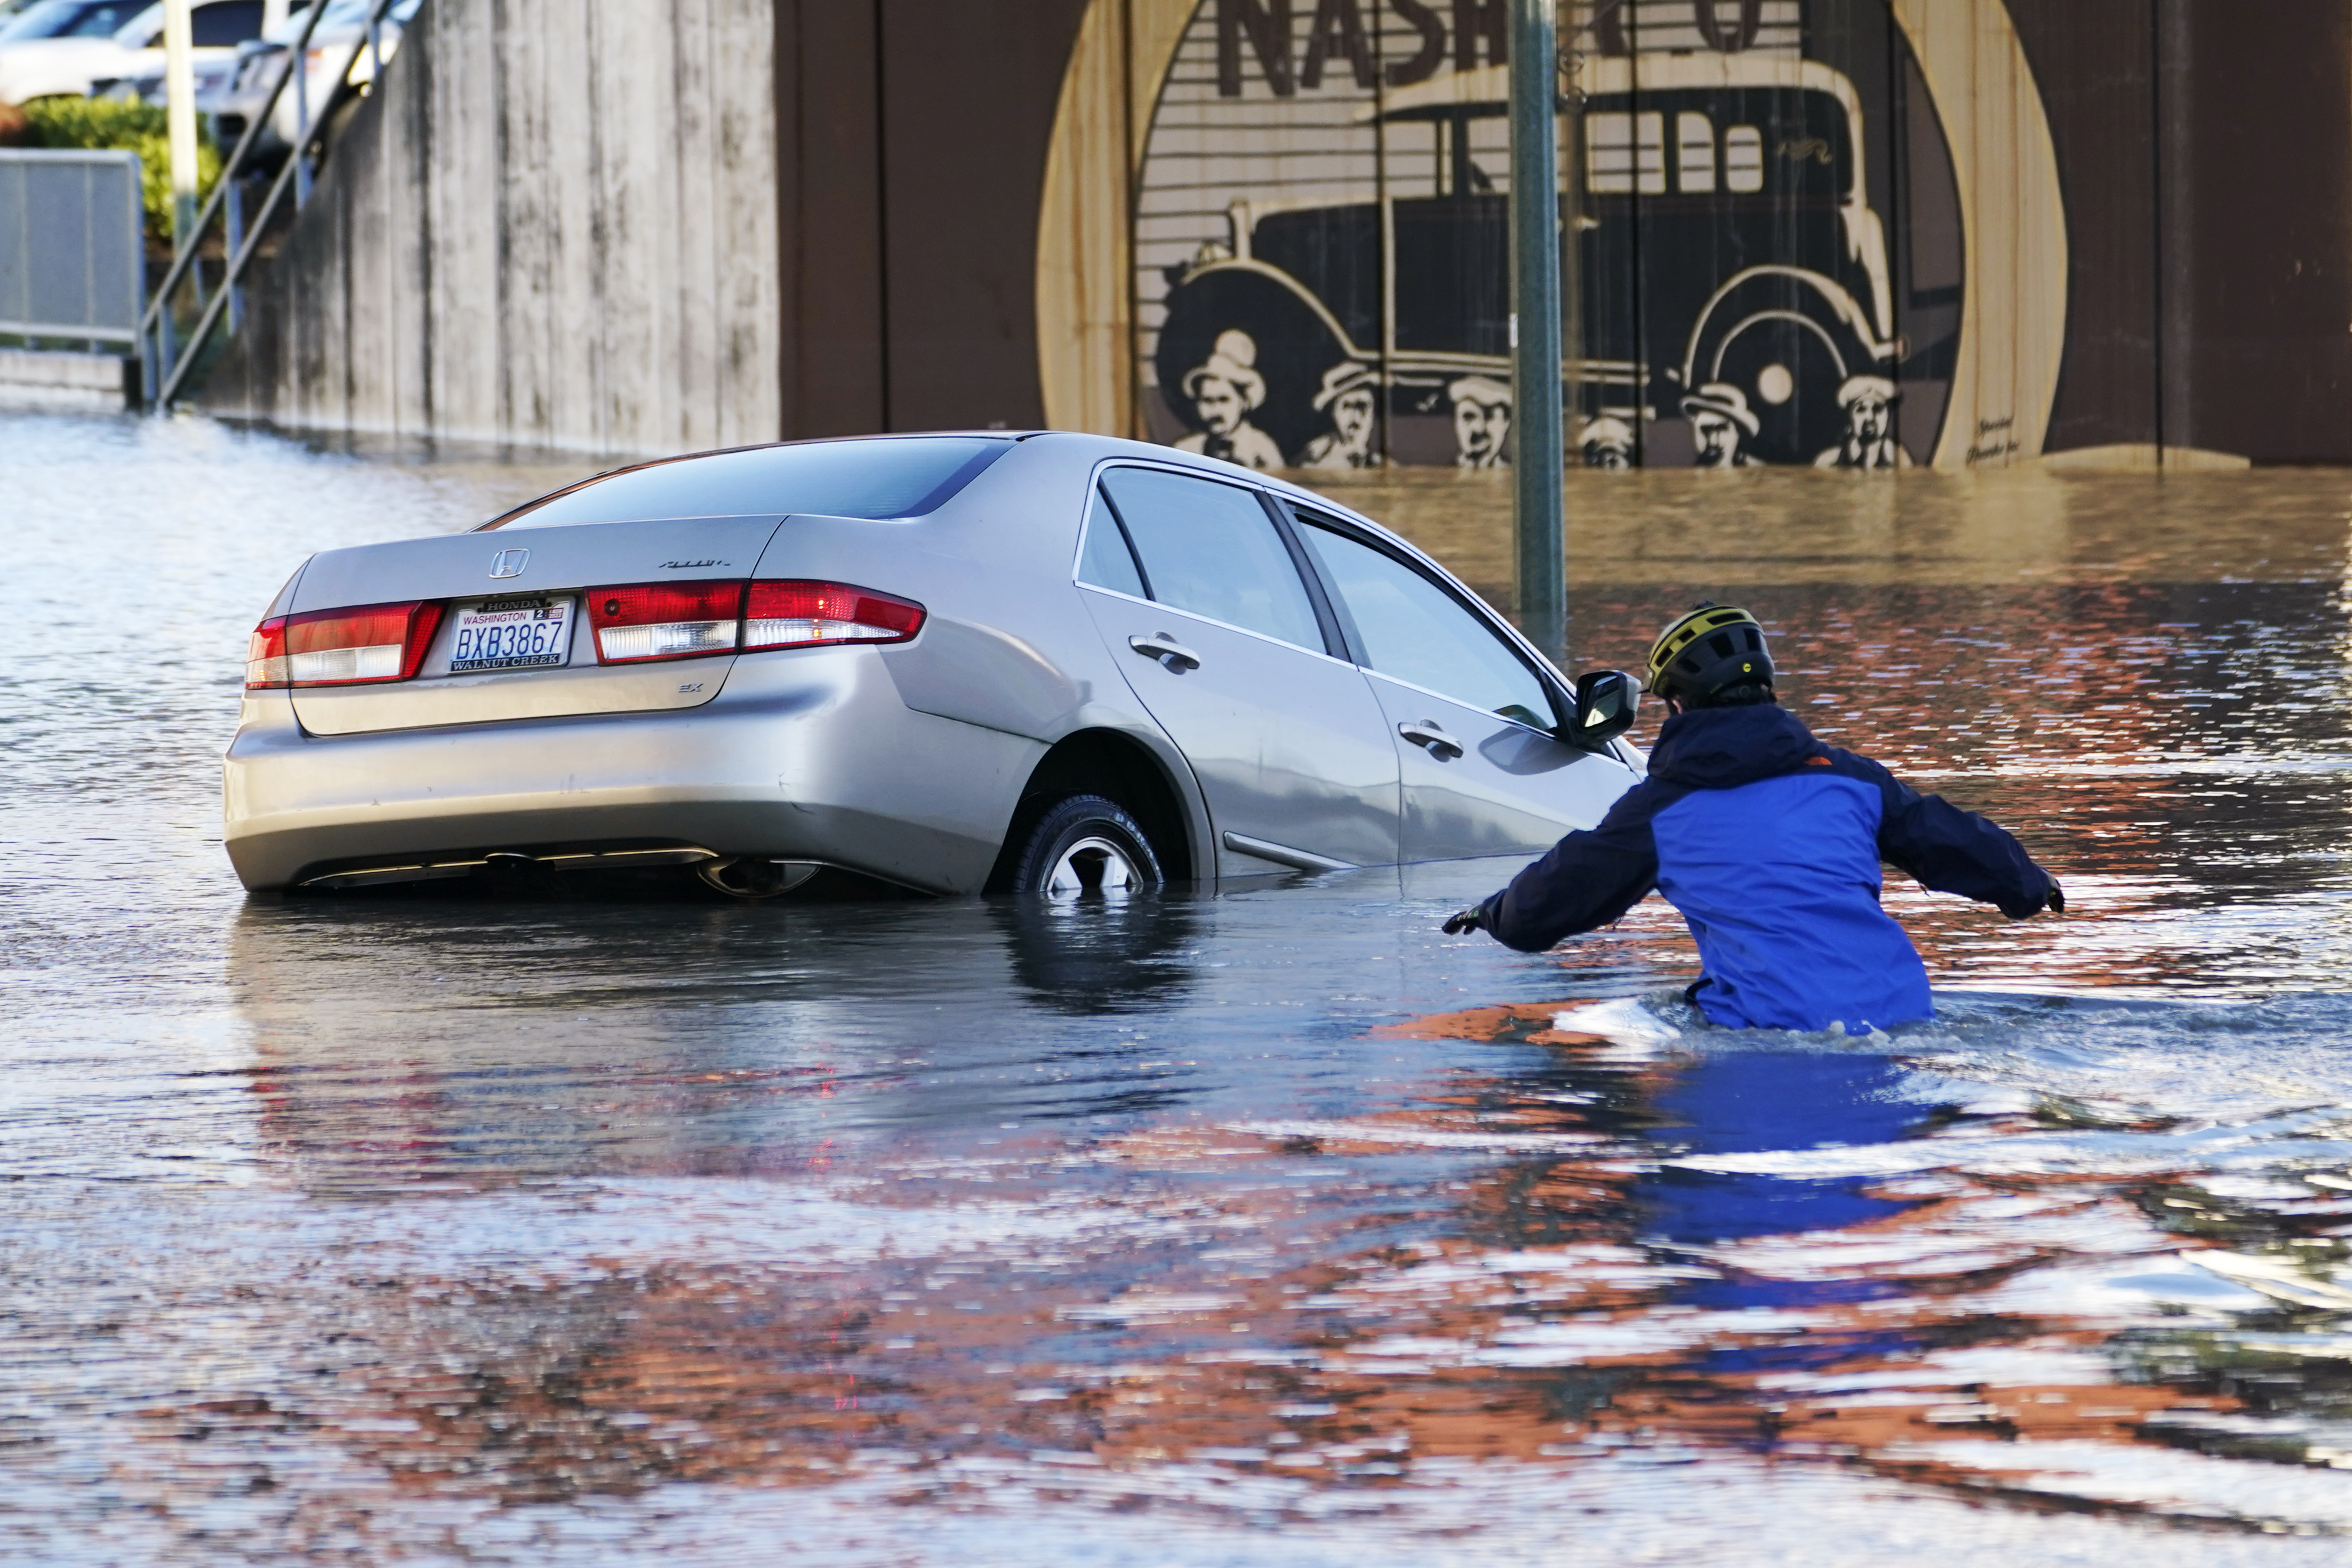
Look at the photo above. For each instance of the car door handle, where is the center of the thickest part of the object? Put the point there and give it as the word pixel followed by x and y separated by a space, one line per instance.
pixel 1160 645
pixel 1425 733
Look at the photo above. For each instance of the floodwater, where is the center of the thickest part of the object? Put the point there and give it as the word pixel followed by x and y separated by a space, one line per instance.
pixel 1266 1228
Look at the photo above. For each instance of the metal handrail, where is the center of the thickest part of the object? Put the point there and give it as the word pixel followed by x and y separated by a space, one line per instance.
pixel 186 254
pixel 176 371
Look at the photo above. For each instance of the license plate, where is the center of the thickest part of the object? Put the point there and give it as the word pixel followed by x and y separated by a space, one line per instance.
pixel 518 633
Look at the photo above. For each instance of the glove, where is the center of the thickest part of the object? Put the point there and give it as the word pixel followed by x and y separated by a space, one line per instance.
pixel 1472 919
pixel 2053 898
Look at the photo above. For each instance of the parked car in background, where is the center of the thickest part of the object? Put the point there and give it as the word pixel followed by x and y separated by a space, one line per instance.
pixel 1045 663
pixel 40 44
pixel 338 46
pixel 66 48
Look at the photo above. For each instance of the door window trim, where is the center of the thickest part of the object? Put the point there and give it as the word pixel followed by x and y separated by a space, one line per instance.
pixel 1165 608
pixel 1142 572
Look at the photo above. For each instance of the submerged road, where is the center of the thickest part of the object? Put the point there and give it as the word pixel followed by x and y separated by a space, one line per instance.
pixel 1245 1225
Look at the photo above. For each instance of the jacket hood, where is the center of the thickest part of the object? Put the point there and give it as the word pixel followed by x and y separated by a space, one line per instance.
pixel 1723 748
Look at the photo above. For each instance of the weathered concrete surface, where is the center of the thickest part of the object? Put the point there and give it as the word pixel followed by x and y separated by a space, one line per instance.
pixel 553 225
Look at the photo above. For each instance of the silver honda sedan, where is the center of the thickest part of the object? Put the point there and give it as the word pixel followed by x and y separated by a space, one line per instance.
pixel 1044 663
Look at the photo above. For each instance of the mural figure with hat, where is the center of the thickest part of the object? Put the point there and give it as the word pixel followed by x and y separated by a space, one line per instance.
pixel 1347 397
pixel 1482 422
pixel 1225 390
pixel 1720 420
pixel 1606 442
pixel 1869 405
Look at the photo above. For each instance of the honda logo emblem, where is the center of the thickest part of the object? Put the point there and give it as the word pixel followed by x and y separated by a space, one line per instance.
pixel 509 563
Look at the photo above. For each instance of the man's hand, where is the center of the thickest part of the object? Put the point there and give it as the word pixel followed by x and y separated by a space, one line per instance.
pixel 2051 898
pixel 1472 919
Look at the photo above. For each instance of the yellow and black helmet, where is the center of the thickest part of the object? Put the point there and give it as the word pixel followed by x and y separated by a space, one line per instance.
pixel 1714 647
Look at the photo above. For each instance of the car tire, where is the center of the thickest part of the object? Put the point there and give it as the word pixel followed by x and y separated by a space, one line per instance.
pixel 1084 846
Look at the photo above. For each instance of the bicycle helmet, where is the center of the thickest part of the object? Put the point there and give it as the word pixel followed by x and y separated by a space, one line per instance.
pixel 1714 647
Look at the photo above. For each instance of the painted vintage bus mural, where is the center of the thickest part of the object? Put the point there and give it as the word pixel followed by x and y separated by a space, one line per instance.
pixel 1762 228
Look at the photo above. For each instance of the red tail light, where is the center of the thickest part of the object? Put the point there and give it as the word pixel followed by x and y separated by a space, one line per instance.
pixel 341 648
pixel 265 654
pixel 665 620
pixel 802 615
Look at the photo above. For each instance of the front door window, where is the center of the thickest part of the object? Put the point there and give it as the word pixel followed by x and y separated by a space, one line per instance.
pixel 1410 629
pixel 1480 770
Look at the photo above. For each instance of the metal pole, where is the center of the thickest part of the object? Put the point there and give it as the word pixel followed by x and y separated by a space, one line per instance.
pixel 235 243
pixel 180 112
pixel 302 119
pixel 1539 503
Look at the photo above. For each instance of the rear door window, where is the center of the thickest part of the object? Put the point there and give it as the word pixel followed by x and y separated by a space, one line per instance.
pixel 1410 629
pixel 1211 549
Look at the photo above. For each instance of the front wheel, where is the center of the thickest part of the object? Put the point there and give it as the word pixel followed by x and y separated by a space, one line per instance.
pixel 1084 846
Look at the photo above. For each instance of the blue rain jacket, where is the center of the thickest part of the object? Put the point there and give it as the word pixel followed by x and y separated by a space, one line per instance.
pixel 1770 844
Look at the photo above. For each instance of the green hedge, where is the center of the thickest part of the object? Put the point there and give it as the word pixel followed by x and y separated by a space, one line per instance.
pixel 130 128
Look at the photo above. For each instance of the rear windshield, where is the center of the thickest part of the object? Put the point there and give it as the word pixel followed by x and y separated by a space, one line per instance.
pixel 891 476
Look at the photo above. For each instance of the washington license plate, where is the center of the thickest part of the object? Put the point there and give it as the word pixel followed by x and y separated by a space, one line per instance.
pixel 518 633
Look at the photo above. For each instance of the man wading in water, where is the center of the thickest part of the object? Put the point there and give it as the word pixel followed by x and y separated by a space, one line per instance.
pixel 1769 843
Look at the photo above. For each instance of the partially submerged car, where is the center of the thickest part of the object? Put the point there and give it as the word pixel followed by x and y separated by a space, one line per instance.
pixel 955 663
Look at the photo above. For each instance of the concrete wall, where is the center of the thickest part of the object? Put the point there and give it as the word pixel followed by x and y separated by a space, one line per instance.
pixel 553 225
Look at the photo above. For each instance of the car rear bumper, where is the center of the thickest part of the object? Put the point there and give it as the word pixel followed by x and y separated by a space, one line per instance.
pixel 807 755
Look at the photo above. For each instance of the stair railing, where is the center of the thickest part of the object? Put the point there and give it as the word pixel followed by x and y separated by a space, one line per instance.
pixel 164 365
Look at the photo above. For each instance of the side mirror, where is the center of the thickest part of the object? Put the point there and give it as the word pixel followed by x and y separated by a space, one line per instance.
pixel 1606 703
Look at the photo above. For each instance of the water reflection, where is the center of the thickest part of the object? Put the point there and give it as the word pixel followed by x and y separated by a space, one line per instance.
pixel 1259 1225
pixel 1093 956
pixel 1746 1102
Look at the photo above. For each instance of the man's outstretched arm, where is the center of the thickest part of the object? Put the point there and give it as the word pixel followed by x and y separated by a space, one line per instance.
pixel 1947 850
pixel 1587 880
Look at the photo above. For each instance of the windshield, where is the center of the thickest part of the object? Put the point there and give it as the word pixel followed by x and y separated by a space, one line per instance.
pixel 143 30
pixel 67 20
pixel 875 477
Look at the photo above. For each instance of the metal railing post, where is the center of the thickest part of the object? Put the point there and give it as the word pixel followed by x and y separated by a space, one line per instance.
pixel 235 221
pixel 302 121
